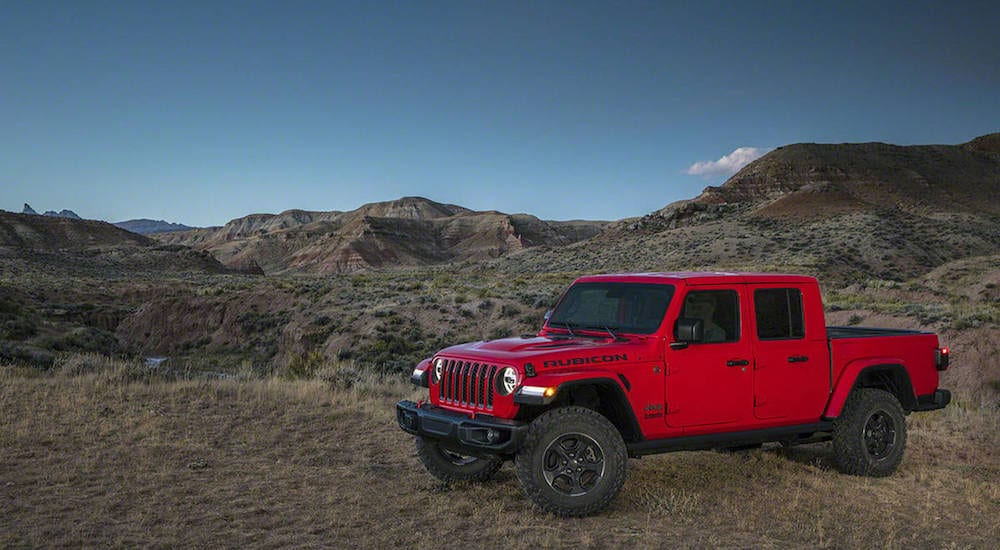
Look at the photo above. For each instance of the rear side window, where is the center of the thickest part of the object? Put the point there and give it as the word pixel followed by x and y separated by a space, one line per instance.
pixel 779 313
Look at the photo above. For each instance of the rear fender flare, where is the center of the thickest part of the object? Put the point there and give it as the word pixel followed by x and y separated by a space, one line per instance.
pixel 871 373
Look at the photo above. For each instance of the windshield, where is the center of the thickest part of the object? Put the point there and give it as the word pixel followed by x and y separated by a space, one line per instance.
pixel 620 307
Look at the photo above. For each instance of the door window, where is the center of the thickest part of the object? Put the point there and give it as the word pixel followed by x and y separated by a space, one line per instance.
pixel 720 312
pixel 779 313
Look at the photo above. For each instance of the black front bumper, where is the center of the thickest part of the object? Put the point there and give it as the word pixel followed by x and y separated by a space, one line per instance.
pixel 481 435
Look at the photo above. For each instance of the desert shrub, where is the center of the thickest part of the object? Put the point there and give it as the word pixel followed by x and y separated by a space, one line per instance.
pixel 83 339
pixel 499 332
pixel 19 328
pixel 81 363
pixel 10 353
pixel 509 311
pixel 340 375
pixel 304 365
pixel 322 320
pixel 254 321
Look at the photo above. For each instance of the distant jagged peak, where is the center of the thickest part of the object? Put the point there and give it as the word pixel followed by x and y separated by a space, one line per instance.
pixel 66 214
pixel 52 213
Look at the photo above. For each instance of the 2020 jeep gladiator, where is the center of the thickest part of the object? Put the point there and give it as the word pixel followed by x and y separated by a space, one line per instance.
pixel 634 364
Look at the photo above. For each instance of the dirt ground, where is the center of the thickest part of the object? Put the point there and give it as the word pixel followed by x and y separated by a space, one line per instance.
pixel 94 461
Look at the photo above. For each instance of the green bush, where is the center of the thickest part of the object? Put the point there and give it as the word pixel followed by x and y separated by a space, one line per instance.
pixel 304 366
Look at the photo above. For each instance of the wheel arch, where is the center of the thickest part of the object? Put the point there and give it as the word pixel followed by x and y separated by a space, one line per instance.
pixel 891 377
pixel 604 395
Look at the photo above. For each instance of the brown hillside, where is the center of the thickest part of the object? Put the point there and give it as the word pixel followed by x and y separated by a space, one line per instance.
pixel 839 211
pixel 56 233
pixel 989 143
pixel 69 243
pixel 916 179
pixel 407 232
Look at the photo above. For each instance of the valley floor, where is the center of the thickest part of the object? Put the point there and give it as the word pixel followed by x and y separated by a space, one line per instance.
pixel 97 460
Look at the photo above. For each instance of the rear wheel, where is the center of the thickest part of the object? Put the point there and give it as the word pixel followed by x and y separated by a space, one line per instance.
pixel 572 462
pixel 448 465
pixel 870 435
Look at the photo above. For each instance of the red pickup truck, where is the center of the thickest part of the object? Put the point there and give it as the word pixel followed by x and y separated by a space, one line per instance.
pixel 634 364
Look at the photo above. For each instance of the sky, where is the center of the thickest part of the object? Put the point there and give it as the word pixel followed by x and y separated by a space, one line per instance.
pixel 200 112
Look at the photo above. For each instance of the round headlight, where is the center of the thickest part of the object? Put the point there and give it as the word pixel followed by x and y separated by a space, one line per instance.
pixel 507 381
pixel 438 371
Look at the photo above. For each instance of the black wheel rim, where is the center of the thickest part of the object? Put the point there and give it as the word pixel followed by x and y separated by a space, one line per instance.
pixel 457 459
pixel 573 464
pixel 880 435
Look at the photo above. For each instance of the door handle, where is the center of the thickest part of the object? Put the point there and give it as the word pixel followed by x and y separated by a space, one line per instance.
pixel 737 363
pixel 798 359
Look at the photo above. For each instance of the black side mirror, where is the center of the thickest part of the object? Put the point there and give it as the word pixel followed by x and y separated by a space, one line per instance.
pixel 688 331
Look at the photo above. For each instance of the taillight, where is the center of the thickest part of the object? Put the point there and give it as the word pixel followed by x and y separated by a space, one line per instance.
pixel 941 358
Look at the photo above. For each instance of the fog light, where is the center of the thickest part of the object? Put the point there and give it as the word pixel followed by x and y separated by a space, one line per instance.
pixel 492 435
pixel 407 420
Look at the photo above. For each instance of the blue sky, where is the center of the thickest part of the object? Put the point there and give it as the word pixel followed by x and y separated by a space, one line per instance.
pixel 199 112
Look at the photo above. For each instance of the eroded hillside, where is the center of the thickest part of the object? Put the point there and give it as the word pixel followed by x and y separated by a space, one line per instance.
pixel 408 232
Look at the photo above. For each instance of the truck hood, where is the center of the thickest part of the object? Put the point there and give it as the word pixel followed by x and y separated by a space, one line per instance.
pixel 546 352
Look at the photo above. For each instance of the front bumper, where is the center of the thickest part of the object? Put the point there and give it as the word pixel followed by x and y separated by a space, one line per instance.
pixel 479 435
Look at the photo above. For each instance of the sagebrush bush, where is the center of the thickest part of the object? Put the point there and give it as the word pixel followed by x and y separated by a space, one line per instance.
pixel 304 366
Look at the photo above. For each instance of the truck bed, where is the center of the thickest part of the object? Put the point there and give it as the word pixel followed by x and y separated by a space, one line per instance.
pixel 852 348
pixel 835 333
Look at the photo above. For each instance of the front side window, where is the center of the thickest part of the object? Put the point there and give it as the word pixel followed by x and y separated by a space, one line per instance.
pixel 620 307
pixel 779 313
pixel 719 311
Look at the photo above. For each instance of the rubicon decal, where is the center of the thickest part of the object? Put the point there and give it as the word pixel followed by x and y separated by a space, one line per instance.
pixel 595 359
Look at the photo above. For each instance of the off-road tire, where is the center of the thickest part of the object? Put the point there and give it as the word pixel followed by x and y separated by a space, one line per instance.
pixel 451 466
pixel 869 436
pixel 559 461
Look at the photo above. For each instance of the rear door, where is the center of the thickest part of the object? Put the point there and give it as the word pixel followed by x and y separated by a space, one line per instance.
pixel 792 370
pixel 710 383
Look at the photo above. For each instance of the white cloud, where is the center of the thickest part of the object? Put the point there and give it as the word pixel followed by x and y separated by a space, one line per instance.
pixel 727 165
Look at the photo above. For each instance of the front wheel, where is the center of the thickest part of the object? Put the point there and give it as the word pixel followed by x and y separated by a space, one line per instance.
pixel 448 465
pixel 572 462
pixel 870 435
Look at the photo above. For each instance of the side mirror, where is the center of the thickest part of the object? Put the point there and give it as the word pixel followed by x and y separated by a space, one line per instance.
pixel 548 314
pixel 688 331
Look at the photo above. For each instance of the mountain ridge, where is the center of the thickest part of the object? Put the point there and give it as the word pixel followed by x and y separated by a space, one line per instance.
pixel 407 231
pixel 146 226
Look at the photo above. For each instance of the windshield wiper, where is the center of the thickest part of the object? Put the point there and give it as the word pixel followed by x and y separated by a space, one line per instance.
pixel 607 329
pixel 568 326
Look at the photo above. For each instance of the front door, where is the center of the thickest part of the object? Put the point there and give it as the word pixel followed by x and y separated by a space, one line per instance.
pixel 710 383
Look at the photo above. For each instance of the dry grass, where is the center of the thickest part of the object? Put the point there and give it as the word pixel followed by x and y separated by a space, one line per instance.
pixel 98 460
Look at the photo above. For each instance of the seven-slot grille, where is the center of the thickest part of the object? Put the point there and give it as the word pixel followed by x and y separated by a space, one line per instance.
pixel 467 384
